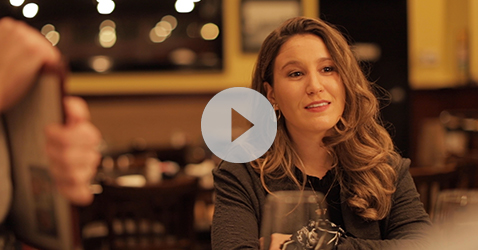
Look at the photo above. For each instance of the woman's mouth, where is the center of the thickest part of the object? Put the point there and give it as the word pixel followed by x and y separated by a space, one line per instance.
pixel 317 105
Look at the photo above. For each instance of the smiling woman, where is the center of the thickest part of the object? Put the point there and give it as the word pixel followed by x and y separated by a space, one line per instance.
pixel 137 36
pixel 303 65
pixel 329 140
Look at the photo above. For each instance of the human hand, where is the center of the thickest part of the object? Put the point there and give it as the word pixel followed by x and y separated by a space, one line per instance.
pixel 277 240
pixel 72 149
pixel 23 52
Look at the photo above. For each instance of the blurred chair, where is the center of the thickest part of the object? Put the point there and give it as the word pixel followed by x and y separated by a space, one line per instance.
pixel 92 223
pixel 429 181
pixel 467 168
pixel 447 154
pixel 157 216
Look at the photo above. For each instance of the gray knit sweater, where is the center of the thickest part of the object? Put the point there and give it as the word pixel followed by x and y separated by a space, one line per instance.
pixel 240 198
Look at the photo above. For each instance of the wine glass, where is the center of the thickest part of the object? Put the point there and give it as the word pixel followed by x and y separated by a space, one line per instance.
pixel 456 219
pixel 456 208
pixel 287 212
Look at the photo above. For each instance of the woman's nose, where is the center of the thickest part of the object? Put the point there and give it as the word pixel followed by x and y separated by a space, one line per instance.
pixel 314 84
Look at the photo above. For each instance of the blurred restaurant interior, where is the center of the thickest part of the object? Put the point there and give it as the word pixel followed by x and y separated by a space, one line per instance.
pixel 148 68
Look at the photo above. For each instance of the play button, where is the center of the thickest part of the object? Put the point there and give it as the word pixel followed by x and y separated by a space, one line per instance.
pixel 256 129
pixel 239 124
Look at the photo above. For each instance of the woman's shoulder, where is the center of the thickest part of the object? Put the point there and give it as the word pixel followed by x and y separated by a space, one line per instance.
pixel 403 165
pixel 239 170
pixel 240 179
pixel 225 166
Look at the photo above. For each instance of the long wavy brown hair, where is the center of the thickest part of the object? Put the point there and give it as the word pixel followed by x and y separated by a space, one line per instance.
pixel 363 152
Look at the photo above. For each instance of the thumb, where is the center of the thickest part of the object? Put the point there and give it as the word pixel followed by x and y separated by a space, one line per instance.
pixel 76 110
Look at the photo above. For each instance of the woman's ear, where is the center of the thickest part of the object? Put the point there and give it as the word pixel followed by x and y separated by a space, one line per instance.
pixel 270 92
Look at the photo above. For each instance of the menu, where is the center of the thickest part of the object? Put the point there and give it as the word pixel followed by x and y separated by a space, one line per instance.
pixel 41 217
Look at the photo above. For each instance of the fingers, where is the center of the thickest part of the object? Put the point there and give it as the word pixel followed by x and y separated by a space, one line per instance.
pixel 76 110
pixel 81 135
pixel 73 152
pixel 74 162
pixel 278 239
pixel 74 174
pixel 78 195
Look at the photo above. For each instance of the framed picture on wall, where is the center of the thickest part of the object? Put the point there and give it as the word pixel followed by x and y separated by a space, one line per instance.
pixel 260 17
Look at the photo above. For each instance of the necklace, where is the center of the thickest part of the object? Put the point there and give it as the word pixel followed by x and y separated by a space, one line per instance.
pixel 321 210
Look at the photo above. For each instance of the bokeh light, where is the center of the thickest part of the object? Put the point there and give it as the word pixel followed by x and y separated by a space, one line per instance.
pixel 162 30
pixel 107 37
pixel 105 7
pixel 158 34
pixel 171 20
pixel 165 25
pixel 16 3
pixel 47 28
pixel 109 23
pixel 53 37
pixel 209 31
pixel 185 6
pixel 30 10
pixel 183 56
pixel 101 64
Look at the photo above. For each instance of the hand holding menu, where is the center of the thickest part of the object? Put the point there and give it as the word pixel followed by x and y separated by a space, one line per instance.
pixel 41 217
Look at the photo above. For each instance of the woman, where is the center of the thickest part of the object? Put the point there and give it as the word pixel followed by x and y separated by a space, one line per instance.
pixel 329 139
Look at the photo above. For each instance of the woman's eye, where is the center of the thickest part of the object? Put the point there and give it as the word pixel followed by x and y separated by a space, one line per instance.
pixel 328 69
pixel 295 74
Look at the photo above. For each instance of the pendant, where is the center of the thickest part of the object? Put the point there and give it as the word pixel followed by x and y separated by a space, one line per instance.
pixel 321 211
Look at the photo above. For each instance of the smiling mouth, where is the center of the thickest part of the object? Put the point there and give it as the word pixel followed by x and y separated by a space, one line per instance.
pixel 316 105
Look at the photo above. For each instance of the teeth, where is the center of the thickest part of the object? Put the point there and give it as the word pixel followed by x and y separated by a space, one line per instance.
pixel 317 105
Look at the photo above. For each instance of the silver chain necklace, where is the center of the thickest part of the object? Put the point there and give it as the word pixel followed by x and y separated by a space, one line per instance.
pixel 321 211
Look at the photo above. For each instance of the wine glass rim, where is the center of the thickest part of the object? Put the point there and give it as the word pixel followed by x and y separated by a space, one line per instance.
pixel 296 196
pixel 458 194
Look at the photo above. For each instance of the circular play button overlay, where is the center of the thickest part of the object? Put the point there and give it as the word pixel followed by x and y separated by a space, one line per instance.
pixel 243 106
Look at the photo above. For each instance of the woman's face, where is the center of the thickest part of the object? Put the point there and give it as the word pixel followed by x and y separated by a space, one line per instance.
pixel 307 87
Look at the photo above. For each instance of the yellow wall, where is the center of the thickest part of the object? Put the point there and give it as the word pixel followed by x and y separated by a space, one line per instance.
pixel 434 30
pixel 237 67
pixel 473 19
